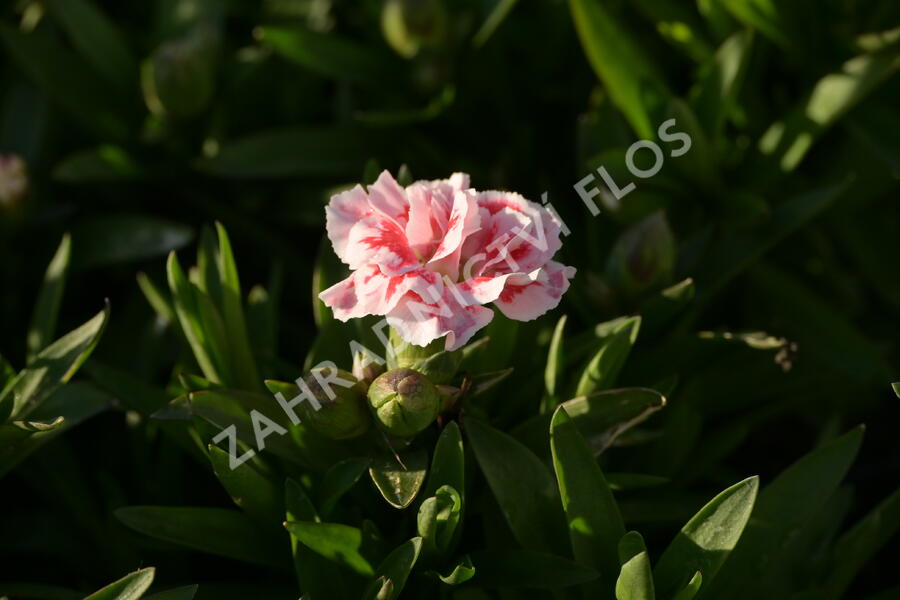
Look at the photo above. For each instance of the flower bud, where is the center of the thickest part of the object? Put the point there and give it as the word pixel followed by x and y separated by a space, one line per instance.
pixel 643 257
pixel 365 368
pixel 13 179
pixel 438 365
pixel 408 25
pixel 180 78
pixel 340 415
pixel 404 402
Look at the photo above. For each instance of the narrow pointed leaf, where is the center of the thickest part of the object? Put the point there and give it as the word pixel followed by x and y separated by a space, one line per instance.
pixel 52 367
pixel 782 508
pixel 705 542
pixel 523 487
pixel 610 357
pixel 594 523
pixel 46 309
pixel 249 488
pixel 635 580
pixel 396 569
pixel 130 587
pixel 339 543
pixel 218 531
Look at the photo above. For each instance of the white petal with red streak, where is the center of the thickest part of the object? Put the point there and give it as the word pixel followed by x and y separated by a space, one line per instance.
pixel 420 322
pixel 387 197
pixel 380 241
pixel 341 214
pixel 368 291
pixel 534 298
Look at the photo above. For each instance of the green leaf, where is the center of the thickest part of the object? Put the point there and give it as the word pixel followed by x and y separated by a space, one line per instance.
pixel 338 480
pixel 327 54
pixel 73 403
pixel 600 417
pixel 319 578
pixel 396 569
pixel 629 76
pixel 52 367
pixel 658 310
pixel 782 508
pixel 108 240
pixel 438 519
pixel 187 309
pixel 289 153
pixel 762 15
pixel 555 359
pixel 130 587
pixel 635 579
pixel 691 589
pixel 461 573
pixel 398 483
pixel 218 531
pixel 715 94
pixel 448 463
pixel 337 542
pixel 251 489
pixel 46 308
pixel 105 163
pixel 182 593
pixel 604 367
pixel 495 18
pixel 528 569
pixel 705 542
pixel 226 408
pixel 247 376
pixel 98 39
pixel 158 300
pixel 521 484
pixel 858 546
pixel 787 141
pixel 594 523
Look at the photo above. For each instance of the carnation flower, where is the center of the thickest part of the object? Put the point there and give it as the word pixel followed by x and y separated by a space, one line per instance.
pixel 428 257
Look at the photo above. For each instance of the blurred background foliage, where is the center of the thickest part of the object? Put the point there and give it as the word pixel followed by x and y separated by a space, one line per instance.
pixel 138 123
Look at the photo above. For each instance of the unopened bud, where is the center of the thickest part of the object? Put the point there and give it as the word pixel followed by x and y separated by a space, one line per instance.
pixel 339 412
pixel 404 402
pixel 408 25
pixel 365 368
pixel 13 179
pixel 180 78
pixel 643 257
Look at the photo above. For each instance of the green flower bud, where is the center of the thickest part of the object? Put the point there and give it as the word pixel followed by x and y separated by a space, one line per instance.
pixel 408 25
pixel 404 402
pixel 13 179
pixel 180 78
pixel 438 365
pixel 643 257
pixel 340 415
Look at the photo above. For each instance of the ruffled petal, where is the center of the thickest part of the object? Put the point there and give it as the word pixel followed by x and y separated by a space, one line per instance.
pixel 422 319
pixel 527 300
pixel 342 213
pixel 368 291
pixel 464 220
pixel 380 241
pixel 387 197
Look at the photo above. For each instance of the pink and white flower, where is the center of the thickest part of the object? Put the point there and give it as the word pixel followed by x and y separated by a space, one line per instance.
pixel 428 257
